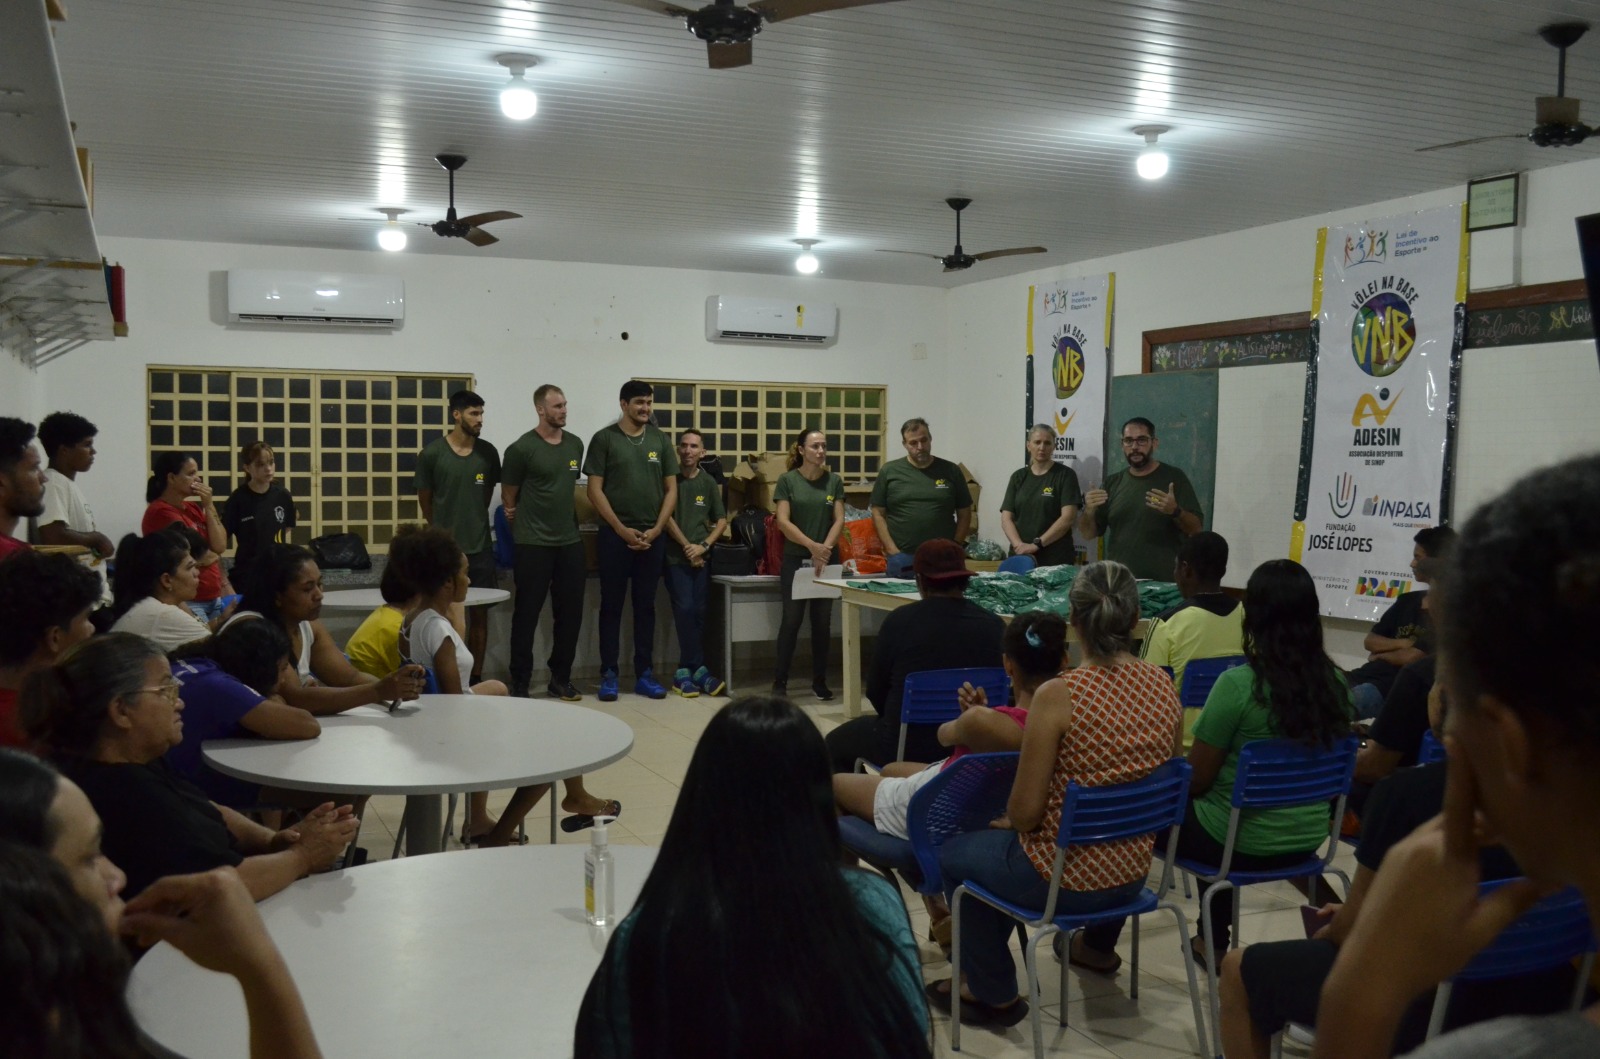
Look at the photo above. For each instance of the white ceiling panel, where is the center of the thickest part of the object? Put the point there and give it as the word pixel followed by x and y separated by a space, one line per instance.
pixel 267 121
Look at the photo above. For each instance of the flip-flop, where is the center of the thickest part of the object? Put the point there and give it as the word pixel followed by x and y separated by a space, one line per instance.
pixel 976 1012
pixel 579 821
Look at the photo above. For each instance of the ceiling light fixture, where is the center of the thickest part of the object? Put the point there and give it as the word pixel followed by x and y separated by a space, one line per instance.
pixel 806 264
pixel 1152 164
pixel 391 236
pixel 517 101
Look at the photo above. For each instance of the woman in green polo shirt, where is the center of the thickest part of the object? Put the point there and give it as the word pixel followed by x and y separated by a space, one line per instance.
pixel 1041 502
pixel 810 515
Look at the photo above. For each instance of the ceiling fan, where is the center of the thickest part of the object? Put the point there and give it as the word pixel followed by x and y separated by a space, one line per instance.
pixel 728 29
pixel 1555 117
pixel 960 259
pixel 468 228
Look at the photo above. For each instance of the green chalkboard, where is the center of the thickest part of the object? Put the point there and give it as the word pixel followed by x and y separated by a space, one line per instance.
pixel 1183 406
pixel 1524 325
pixel 1266 347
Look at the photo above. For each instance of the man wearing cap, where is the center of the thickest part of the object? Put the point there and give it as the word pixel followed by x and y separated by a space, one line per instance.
pixel 942 630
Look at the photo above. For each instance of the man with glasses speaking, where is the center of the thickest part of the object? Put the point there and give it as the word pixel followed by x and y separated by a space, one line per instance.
pixel 1147 508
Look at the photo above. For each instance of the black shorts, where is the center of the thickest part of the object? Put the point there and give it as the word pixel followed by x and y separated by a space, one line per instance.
pixel 1283 980
pixel 481 569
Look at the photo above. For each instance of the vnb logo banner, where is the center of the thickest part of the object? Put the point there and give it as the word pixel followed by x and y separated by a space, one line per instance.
pixel 1386 300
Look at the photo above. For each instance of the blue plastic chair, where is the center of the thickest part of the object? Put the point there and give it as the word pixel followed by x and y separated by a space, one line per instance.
pixel 1551 933
pixel 1017 564
pixel 1430 749
pixel 929 697
pixel 963 797
pixel 1091 816
pixel 1200 676
pixel 1273 774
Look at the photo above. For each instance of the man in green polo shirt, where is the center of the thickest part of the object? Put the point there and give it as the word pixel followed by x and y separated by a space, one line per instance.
pixel 455 480
pixel 1146 509
pixel 633 485
pixel 920 497
pixel 694 527
pixel 541 469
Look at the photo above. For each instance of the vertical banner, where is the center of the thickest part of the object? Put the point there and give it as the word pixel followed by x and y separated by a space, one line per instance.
pixel 1388 316
pixel 1069 347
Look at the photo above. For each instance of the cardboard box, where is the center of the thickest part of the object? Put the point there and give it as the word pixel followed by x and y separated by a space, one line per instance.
pixel 751 482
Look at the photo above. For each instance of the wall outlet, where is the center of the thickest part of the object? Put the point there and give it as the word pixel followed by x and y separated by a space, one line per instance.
pixel 919 351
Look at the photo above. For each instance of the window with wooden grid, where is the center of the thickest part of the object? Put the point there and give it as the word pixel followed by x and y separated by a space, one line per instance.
pixel 346 442
pixel 739 419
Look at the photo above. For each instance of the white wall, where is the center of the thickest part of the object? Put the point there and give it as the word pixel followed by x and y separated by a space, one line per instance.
pixel 514 324
pixel 1520 406
pixel 20 391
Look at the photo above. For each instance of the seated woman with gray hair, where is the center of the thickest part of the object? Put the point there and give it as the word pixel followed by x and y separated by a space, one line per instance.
pixel 1113 719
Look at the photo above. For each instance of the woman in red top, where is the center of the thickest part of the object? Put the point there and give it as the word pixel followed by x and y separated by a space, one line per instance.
pixel 175 478
pixel 1114 719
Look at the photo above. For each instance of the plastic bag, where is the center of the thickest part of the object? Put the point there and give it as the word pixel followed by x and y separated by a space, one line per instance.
pixel 860 541
pixel 869 564
pixel 984 550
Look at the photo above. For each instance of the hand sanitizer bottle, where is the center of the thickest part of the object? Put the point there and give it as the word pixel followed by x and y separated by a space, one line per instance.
pixel 599 887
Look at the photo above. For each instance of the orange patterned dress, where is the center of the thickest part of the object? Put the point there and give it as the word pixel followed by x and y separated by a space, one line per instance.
pixel 1124 720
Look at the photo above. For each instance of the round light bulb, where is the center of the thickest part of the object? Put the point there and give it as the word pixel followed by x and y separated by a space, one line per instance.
pixel 806 263
pixel 391 238
pixel 1152 163
pixel 517 101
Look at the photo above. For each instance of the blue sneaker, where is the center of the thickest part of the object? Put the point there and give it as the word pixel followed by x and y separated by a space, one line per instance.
pixel 646 685
pixel 683 684
pixel 709 684
pixel 608 686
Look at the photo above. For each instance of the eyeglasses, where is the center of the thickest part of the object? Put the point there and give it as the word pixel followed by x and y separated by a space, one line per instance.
pixel 1142 439
pixel 169 692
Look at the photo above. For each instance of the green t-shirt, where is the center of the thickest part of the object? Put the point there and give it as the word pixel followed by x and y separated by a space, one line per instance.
pixel 920 505
pixel 1137 535
pixel 1233 717
pixel 462 486
pixel 699 508
pixel 543 474
pixel 635 472
pixel 1035 502
pixel 811 506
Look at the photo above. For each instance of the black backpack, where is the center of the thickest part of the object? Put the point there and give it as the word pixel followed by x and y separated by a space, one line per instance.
pixel 750 529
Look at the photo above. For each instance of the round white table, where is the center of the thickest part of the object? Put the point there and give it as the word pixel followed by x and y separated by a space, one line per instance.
pixel 439 744
pixel 372 599
pixel 484 953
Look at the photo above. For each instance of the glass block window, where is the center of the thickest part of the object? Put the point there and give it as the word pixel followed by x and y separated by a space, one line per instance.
pixel 741 419
pixel 346 442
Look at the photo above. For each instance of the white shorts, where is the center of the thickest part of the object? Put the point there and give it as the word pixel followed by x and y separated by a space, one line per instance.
pixel 893 797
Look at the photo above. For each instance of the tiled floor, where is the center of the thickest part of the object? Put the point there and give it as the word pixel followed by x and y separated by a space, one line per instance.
pixel 1102 1020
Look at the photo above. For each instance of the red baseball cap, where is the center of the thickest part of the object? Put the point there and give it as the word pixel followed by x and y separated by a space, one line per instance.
pixel 940 560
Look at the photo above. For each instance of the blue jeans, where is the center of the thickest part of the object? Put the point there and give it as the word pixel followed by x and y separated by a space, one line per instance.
pixel 1368 701
pixel 995 860
pixel 623 570
pixel 687 587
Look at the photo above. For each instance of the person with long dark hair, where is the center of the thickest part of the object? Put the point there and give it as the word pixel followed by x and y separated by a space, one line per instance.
pixel 45 602
pixel 1522 741
pixel 1288 689
pixel 174 478
pixel 105 715
pixel 285 587
pixel 703 965
pixel 1114 719
pixel 156 577
pixel 61 911
pixel 810 515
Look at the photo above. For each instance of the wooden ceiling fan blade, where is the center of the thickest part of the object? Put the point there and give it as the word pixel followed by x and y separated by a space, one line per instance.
pixel 778 10
pixel 670 10
pixel 914 253
pixel 1010 252
pixel 729 56
pixel 479 237
pixel 1476 139
pixel 479 219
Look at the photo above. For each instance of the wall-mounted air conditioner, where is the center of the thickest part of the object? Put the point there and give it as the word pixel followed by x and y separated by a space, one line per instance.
pixel 768 320
pixel 328 299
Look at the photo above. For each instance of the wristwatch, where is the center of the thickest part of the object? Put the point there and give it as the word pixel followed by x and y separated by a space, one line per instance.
pixel 1038 542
